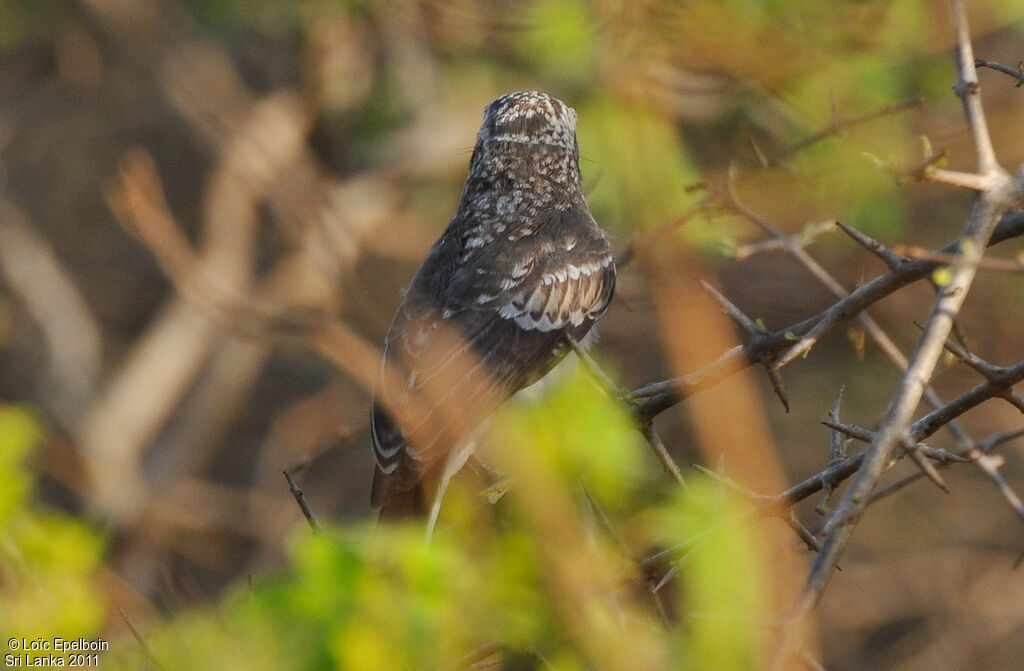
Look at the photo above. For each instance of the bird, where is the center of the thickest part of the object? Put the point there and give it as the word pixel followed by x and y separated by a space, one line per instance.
pixel 520 275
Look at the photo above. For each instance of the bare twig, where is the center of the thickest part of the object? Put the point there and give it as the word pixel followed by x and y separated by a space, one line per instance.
pixel 924 168
pixel 74 342
pixel 595 370
pixel 891 258
pixel 657 397
pixel 962 180
pixel 863 435
pixel 982 367
pixel 851 430
pixel 1013 399
pixel 1017 72
pixel 985 447
pixel 300 498
pixel 807 235
pixel 765 505
pixel 836 454
pixel 754 331
pixel 802 532
pixel 641 245
pixel 752 328
pixel 838 125
pixel 345 434
pixel 991 205
pixel 833 128
pixel 147 650
pixel 919 431
pixel 992 388
pixel 989 464
pixel 968 90
pixel 804 344
pixel 914 452
pixel 647 429
pixel 655 441
pixel 988 263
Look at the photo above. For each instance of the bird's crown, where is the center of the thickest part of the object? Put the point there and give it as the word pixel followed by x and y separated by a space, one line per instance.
pixel 529 117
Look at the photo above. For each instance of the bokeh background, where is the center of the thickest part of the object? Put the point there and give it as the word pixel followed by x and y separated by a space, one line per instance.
pixel 308 152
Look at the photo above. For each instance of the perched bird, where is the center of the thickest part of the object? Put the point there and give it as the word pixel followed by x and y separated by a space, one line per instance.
pixel 520 270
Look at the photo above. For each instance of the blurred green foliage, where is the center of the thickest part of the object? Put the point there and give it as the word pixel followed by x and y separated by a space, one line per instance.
pixel 25 21
pixel 380 598
pixel 575 431
pixel 48 559
pixel 559 41
pixel 633 163
pixel 781 70
pixel 725 577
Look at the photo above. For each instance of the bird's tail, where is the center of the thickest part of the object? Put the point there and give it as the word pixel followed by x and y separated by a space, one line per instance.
pixel 393 503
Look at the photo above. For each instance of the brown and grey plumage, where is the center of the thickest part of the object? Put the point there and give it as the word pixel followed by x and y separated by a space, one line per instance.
pixel 521 268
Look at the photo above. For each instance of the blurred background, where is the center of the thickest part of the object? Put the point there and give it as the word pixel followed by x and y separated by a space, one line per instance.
pixel 186 187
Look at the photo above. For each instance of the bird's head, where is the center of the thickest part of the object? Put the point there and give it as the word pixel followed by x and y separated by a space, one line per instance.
pixel 526 121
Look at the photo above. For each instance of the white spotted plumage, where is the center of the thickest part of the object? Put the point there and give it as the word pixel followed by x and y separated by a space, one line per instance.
pixel 521 269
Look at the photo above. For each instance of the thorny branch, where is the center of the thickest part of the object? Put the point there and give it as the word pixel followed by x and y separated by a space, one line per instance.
pixel 999 195
pixel 838 125
pixel 996 217
pixel 795 247
pixel 300 498
pixel 653 399
pixel 784 346
pixel 841 467
pixel 1017 72
pixel 835 127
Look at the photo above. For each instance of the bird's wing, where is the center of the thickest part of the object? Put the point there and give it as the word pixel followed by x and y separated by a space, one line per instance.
pixel 518 298
pixel 500 323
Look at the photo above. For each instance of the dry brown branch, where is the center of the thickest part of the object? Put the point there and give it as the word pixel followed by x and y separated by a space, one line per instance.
pixel 1000 194
pixel 836 454
pixel 805 237
pixel 345 434
pixel 838 471
pixel 766 506
pixel 655 441
pixel 839 124
pixel 304 506
pixel 796 249
pixel 962 180
pixel 891 257
pixel 753 331
pixel 920 172
pixel 915 454
pixel 1017 73
pixel 147 649
pixel 647 430
pixel 707 202
pixel 987 263
pixel 69 329
pixel 654 398
pixel 986 446
pixel 149 385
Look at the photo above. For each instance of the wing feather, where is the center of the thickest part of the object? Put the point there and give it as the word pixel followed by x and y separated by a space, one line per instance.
pixel 512 303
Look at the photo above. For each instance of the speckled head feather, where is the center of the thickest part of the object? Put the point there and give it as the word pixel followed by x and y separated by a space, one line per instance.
pixel 520 270
pixel 526 160
pixel 530 118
